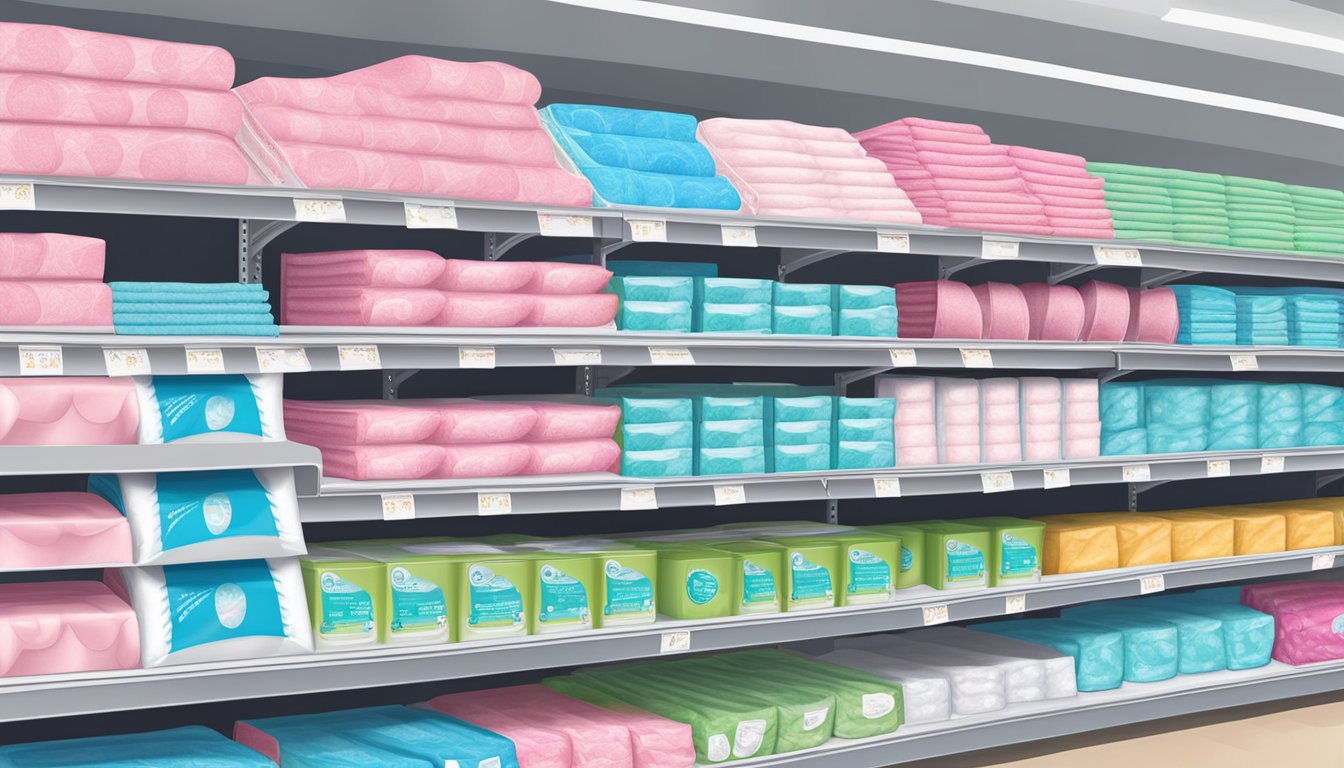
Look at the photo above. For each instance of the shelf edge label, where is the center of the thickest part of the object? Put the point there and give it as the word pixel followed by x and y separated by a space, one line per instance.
pixel 1270 465
pixel 1323 562
pixel 398 506
pixel 1014 604
pixel 1219 468
pixel 359 358
pixel 648 230
pixel 893 242
pixel 1057 478
pixel 726 495
pixel 475 357
pixel 41 361
pixel 935 614
pixel 564 225
pixel 670 356
pixel 977 358
pixel 18 197
pixel 126 362
pixel 675 642
pixel 308 209
pixel 494 504
pixel 1112 256
pixel 205 360
pixel 887 487
pixel 635 499
pixel 283 360
pixel 996 482
pixel 738 237
pixel 577 356
pixel 431 216
pixel 1136 473
pixel 1244 362
pixel 903 358
pixel 1151 584
pixel 999 249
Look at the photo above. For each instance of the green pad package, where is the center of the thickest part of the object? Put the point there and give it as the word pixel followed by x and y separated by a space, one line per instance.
pixel 912 552
pixel 954 555
pixel 1015 549
pixel 811 572
pixel 695 582
pixel 865 705
pixel 869 563
pixel 759 567
pixel 345 598
pixel 417 591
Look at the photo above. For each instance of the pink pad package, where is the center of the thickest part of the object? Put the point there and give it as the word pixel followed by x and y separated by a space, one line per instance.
pixel 959 420
pixel 1042 418
pixel 382 462
pixel 559 277
pixel 62 530
pixel 464 420
pixel 1056 311
pixel 536 744
pixel 586 311
pixel 916 418
pixel 485 310
pixel 68 411
pixel 484 460
pixel 1003 311
pixel 65 626
pixel 415 75
pixel 938 309
pixel 572 421
pixel 1153 316
pixel 564 457
pixel 39 98
pixel 466 276
pixel 141 154
pixel 1081 418
pixel 48 256
pixel 55 303
pixel 359 422
pixel 362 268
pixel 104 56
pixel 1105 311
pixel 362 306
pixel 1308 618
pixel 1001 428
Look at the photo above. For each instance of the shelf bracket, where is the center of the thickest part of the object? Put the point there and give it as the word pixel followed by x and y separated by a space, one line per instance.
pixel 253 237
pixel 1325 478
pixel 951 265
pixel 1060 273
pixel 497 245
pixel 603 248
pixel 606 375
pixel 793 259
pixel 1135 489
pixel 1162 277
pixel 392 381
pixel 832 510
pixel 1112 375
pixel 844 380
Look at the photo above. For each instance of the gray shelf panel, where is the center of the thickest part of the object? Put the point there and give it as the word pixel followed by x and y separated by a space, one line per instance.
pixel 347 500
pixel 174 457
pixel 78 694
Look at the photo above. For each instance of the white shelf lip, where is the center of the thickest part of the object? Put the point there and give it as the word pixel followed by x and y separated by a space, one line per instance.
pixel 88 693
pixel 349 500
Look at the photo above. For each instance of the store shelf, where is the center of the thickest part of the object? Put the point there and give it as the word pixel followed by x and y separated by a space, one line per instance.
pixel 175 457
pixel 348 500
pixel 76 694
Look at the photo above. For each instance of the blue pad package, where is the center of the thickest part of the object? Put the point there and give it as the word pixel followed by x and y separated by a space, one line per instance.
pixel 190 747
pixel 227 408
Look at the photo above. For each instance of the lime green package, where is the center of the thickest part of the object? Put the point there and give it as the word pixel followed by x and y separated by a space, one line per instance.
pixel 869 565
pixel 626 579
pixel 563 591
pixel 695 582
pixel 912 552
pixel 955 554
pixel 345 598
pixel 492 588
pixel 865 705
pixel 417 591
pixel 812 569
pixel 759 567
pixel 1014 551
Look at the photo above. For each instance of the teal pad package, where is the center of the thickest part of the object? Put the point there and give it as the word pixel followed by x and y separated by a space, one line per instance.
pixel 230 408
pixel 1248 634
pixel 191 747
pixel 1152 645
pixel 1203 645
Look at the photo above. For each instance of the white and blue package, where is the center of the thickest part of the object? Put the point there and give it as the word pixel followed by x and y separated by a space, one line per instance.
pixel 237 609
pixel 192 517
pixel 231 408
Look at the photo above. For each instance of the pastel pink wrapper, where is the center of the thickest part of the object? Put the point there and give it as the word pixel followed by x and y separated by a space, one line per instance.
pixel 573 456
pixel 490 81
pixel 1153 316
pixel 48 256
pixel 572 421
pixel 562 278
pixel 323 95
pixel 940 309
pixel 484 460
pixel 463 420
pixel 382 462
pixel 921 456
pixel 536 745
pixel 104 56
pixel 361 306
pixel 467 276
pixel 1105 311
pixel 140 154
pixel 1084 448
pixel 49 628
pixel 68 411
pixel 363 268
pixel 360 422
pixel 34 98
pixel 1048 156
pixel 1003 311
pixel 61 530
pixel 588 311
pixel 486 310
pixel 1056 311
pixel 1266 597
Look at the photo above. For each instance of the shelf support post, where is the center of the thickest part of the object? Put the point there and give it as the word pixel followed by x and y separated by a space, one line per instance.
pixel 497 245
pixel 392 381
pixel 253 237
pixel 832 511
pixel 1325 478
pixel 951 265
pixel 1155 278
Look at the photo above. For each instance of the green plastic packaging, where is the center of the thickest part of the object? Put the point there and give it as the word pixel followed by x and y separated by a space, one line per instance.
pixel 955 555
pixel 912 552
pixel 759 568
pixel 563 591
pixel 869 566
pixel 805 712
pixel 345 594
pixel 811 573
pixel 492 588
pixel 417 590
pixel 865 705
pixel 1015 550
pixel 695 582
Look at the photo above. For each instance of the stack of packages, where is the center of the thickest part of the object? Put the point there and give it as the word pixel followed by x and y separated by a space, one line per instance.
pixel 729 434
pixel 1306 627
pixel 1074 199
pixel 938 309
pixel 1139 201
pixel 639 157
pixel 654 302
pixel 1042 401
pixel 732 305
pixel 1322 414
pixel 1001 436
pixel 1081 418
pixel 1280 414
pixel 1003 311
pixel 90 104
pixel 783 168
pixel 865 436
pixel 1199 208
pixel 801 433
pixel 1313 317
pixel 1261 214
pixel 656 435
pixel 53 280
pixel 421 288
pixel 958 419
pixel 186 747
pixel 1263 317
pixel 805 310
pixel 1179 416
pixel 1318 220
pixel 414 124
pixel 454 438
pixel 959 177
pixel 916 420
pixel 192 309
pixel 1154 316
pixel 864 310
pixel 1208 315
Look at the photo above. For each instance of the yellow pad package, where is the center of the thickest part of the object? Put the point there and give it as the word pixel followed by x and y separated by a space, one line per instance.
pixel 1199 535
pixel 1078 547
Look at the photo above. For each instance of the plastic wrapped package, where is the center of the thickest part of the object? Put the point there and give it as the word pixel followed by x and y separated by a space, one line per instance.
pixel 1141 539
pixel 190 747
pixel 1098 652
pixel 1073 546
pixel 1152 645
pixel 1248 634
pixel 1023 678
pixel 61 530
pixel 925 691
pixel 50 628
pixel 227 408
pixel 68 411
pixel 1060 681
pixel 1197 535
pixel 656 742
pixel 865 705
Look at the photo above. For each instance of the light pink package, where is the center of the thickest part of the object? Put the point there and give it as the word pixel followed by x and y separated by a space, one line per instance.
pixel 140 154
pixel 562 278
pixel 467 276
pixel 414 75
pixel 38 98
pixel 583 311
pixel 362 306
pixel 1153 316
pixel 362 268
pixel 61 530
pixel 1003 311
pixel 1263 597
pixel 1001 429
pixel 104 56
pixel 572 421
pixel 464 420
pixel 340 423
pixel 68 411
pixel 485 310
pixel 382 462
pixel 1056 311
pixel 55 303
pixel 49 256
pixel 1042 418
pixel 938 309
pixel 49 628
pixel 1105 311
pixel 484 460
pixel 324 97
pixel 1308 619
pixel 563 457
pixel 536 744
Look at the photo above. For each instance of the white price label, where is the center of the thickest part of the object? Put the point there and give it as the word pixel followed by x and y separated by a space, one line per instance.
pixel 994 482
pixel 648 230
pixel 977 358
pixel 205 361
pixel 1323 562
pixel 670 356
pixel 1057 478
pixel 1136 473
pixel 935 614
pixel 893 242
pixel 739 237
pixel 1111 256
pixel 1219 468
pixel 1271 464
pixel 127 362
pixel 17 197
pixel 675 642
pixel 1150 584
pixel 725 495
pixel 886 487
pixel 475 357
pixel 1014 604
pixel 999 249
pixel 398 506
pixel 494 504
pixel 319 210
pixel 577 356
pixel 283 360
pixel 430 216
pixel 41 361
pixel 359 358
pixel 903 358
pixel 638 498
pixel 564 225
pixel 1245 363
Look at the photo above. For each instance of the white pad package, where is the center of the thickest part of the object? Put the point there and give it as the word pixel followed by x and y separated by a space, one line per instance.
pixel 977 687
pixel 200 612
pixel 1023 679
pixel 232 408
pixel 926 693
pixel 1060 678
pixel 192 517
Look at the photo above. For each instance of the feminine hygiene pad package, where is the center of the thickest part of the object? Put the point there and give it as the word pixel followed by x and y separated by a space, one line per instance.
pixel 68 411
pixel 61 530
pixel 222 409
pixel 65 626
pixel 191 747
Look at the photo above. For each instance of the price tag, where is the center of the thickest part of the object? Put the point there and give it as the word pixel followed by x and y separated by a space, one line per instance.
pixel 359 358
pixel 475 357
pixel 675 642
pixel 1245 363
pixel 1136 473
pixel 1150 584
pixel 725 495
pixel 1271 465
pixel 17 197
pixel 994 482
pixel 564 225
pixel 977 358
pixel 739 237
pixel 648 230
pixel 999 249
pixel 633 499
pixel 1111 256
pixel 398 506
pixel 430 216
pixel 494 504
pixel 1220 468
pixel 886 487
pixel 893 242
pixel 205 361
pixel 670 356
pixel 41 361
pixel 903 358
pixel 126 362
pixel 319 210
pixel 1057 478
pixel 1323 562
pixel 283 360
pixel 577 356
pixel 1014 604
pixel 935 614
